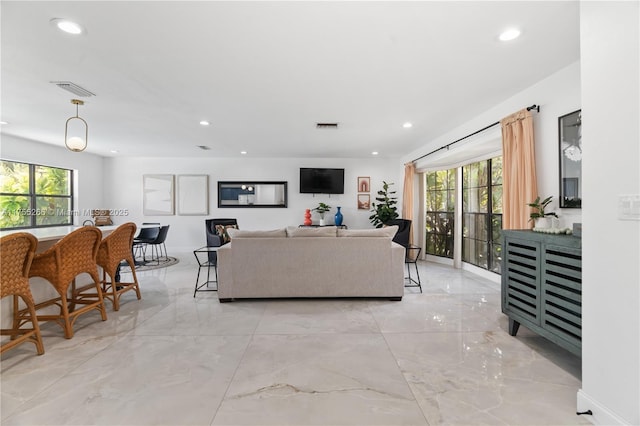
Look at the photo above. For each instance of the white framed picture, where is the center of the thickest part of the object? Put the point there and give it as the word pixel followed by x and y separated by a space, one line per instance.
pixel 193 195
pixel 157 195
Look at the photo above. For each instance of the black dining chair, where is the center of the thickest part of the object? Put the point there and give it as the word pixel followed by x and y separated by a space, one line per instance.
pixel 158 244
pixel 147 235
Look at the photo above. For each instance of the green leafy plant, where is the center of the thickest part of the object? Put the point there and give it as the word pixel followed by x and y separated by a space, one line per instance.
pixel 322 209
pixel 385 210
pixel 538 208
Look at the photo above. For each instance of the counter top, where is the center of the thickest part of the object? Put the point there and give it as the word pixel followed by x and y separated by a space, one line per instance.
pixel 53 233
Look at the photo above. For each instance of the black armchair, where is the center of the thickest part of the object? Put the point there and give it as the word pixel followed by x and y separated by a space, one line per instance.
pixel 412 253
pixel 217 236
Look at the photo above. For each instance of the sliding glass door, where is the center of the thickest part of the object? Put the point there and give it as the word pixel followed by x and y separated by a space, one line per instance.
pixel 440 212
pixel 482 214
pixel 481 204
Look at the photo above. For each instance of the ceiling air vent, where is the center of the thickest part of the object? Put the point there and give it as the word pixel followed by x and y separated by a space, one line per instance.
pixel 73 88
pixel 326 125
pixel 204 147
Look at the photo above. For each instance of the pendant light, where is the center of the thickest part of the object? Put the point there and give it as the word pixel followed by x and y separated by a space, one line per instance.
pixel 76 131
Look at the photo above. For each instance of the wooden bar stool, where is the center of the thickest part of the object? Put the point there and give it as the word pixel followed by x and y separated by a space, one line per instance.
pixel 16 254
pixel 60 265
pixel 115 248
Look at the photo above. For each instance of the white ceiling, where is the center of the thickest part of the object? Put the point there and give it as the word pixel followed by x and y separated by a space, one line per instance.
pixel 263 73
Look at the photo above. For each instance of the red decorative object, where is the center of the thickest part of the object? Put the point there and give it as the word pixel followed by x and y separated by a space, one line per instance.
pixel 307 217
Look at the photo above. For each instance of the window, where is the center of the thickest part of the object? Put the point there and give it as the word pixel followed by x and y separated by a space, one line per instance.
pixel 34 196
pixel 440 212
pixel 482 214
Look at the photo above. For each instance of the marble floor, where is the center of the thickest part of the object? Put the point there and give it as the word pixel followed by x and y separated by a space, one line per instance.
pixel 441 357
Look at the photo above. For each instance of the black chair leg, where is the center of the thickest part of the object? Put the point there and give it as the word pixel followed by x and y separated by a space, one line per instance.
pixel 154 252
pixel 418 275
pixel 412 282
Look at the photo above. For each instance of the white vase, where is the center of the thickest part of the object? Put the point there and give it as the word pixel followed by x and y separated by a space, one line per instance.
pixel 322 221
pixel 543 223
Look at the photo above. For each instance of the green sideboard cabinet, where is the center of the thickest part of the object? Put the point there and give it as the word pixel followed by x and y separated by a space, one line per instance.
pixel 542 285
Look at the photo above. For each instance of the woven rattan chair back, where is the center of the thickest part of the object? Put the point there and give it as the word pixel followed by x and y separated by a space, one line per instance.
pixel 73 255
pixel 114 249
pixel 16 254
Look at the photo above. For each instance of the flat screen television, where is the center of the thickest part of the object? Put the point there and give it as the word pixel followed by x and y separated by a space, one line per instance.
pixel 321 181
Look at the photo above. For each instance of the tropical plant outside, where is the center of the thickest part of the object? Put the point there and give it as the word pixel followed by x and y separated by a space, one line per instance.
pixel 440 212
pixel 482 214
pixel 33 195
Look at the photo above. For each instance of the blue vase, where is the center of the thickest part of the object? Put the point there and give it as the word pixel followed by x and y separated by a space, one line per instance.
pixel 338 218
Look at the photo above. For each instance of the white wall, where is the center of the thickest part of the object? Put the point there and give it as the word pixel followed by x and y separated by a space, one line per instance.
pixel 611 247
pixel 556 95
pixel 123 190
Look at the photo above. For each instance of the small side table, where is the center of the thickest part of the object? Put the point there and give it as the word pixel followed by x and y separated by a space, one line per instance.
pixel 412 253
pixel 202 257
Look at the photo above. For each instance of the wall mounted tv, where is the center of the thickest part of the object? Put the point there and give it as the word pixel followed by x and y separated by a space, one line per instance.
pixel 321 181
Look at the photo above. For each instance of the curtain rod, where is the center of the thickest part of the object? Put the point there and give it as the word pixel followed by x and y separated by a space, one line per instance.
pixel 534 106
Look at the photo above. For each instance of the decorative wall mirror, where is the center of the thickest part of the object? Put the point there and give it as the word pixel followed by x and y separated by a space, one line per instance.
pixel 250 193
pixel 570 135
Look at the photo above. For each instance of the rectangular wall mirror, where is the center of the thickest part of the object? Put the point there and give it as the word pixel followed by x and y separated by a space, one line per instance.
pixel 570 135
pixel 250 193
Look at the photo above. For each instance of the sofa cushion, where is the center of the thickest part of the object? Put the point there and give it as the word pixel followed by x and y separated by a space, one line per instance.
pixel 273 233
pixel 221 230
pixel 386 232
pixel 322 231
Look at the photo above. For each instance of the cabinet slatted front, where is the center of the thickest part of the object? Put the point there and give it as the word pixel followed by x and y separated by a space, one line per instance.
pixel 542 285
pixel 523 280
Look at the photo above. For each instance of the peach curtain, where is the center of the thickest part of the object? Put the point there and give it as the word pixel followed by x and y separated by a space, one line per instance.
pixel 519 184
pixel 407 196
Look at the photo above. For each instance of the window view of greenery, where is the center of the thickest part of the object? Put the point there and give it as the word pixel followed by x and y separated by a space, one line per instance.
pixel 34 196
pixel 440 212
pixel 482 214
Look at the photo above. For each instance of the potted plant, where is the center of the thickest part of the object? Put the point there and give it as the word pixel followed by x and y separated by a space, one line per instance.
pixel 322 209
pixel 541 218
pixel 385 210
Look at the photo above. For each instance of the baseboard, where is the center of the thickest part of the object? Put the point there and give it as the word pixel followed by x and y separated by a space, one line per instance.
pixel 491 276
pixel 439 259
pixel 601 414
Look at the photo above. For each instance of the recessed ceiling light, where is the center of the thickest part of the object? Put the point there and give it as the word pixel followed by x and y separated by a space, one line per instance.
pixel 509 34
pixel 3 122
pixel 114 151
pixel 243 152
pixel 374 153
pixel 407 125
pixel 68 26
pixel 204 123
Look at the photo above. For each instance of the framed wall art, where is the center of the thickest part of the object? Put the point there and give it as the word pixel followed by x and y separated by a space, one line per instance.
pixel 364 184
pixel 364 201
pixel 157 195
pixel 193 195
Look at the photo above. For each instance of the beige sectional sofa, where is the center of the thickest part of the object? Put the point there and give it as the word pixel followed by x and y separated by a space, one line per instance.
pixel 311 262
